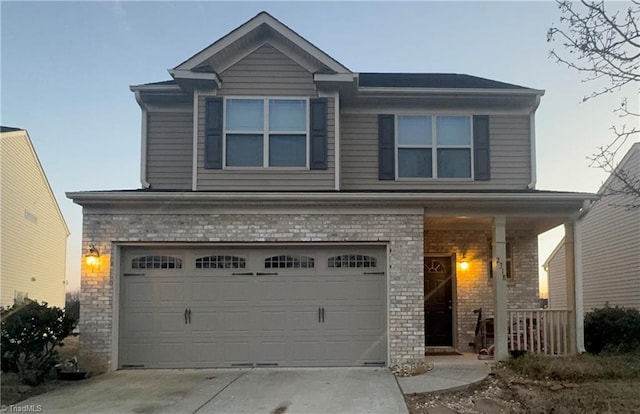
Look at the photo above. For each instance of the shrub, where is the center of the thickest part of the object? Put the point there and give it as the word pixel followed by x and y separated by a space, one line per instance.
pixel 30 333
pixel 612 329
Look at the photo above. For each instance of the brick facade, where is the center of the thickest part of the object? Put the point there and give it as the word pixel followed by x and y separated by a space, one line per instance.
pixel 474 287
pixel 402 232
pixel 405 234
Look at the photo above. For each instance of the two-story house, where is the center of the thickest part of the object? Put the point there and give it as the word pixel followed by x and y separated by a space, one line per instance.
pixel 33 232
pixel 296 213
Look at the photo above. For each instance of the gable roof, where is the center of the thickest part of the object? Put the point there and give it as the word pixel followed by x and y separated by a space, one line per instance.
pixel 431 80
pixel 9 132
pixel 260 20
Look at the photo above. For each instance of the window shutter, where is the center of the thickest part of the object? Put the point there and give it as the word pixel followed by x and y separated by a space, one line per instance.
pixel 318 138
pixel 481 148
pixel 386 154
pixel 213 133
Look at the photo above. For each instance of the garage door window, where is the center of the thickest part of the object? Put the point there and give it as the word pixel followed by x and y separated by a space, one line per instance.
pixel 289 262
pixel 221 262
pixel 156 262
pixel 352 261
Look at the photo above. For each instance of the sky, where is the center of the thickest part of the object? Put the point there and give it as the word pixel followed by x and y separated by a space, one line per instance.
pixel 66 68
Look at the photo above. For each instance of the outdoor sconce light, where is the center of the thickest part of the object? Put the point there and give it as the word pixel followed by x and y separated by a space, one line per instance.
pixel 464 264
pixel 92 258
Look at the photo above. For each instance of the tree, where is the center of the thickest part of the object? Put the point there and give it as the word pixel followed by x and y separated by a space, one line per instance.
pixel 604 45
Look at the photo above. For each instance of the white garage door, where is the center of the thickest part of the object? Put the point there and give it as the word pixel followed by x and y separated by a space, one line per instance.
pixel 275 306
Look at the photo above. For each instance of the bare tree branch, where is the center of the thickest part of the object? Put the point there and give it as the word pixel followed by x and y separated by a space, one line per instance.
pixel 604 45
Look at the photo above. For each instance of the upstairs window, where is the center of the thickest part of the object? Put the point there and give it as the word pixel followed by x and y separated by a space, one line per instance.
pixel 433 146
pixel 266 132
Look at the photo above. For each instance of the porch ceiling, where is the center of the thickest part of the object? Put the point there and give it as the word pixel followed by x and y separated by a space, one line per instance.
pixel 537 224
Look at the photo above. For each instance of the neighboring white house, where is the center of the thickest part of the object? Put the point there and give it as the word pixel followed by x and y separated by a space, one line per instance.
pixel 610 249
pixel 33 233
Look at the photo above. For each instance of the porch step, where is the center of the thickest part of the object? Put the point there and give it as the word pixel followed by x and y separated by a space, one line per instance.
pixel 441 351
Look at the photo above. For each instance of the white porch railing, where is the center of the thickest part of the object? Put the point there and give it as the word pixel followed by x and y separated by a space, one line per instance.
pixel 539 331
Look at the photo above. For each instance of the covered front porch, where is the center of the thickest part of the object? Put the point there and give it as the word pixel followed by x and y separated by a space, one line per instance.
pixel 481 277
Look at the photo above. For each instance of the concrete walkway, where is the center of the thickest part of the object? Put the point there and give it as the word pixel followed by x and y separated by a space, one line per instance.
pixel 449 373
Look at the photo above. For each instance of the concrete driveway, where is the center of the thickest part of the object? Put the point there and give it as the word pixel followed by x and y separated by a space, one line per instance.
pixel 254 391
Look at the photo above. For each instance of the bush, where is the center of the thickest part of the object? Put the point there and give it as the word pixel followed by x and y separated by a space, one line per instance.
pixel 30 333
pixel 612 329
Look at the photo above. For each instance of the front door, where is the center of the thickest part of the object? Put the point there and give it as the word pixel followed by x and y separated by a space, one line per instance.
pixel 438 305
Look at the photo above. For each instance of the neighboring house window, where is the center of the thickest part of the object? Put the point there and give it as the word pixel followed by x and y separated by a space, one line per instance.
pixel 266 132
pixel 433 146
pixel 508 265
pixel 156 262
pixel 221 262
pixel 352 260
pixel 287 261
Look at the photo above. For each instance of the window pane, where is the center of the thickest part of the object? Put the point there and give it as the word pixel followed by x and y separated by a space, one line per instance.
pixel 245 115
pixel 287 115
pixel 454 163
pixel 414 162
pixel 454 130
pixel 244 150
pixel 414 130
pixel 287 150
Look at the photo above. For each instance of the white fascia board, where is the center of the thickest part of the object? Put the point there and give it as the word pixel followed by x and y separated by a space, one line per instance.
pixel 368 90
pixel 155 88
pixel 292 197
pixel 186 74
pixel 337 77
pixel 246 28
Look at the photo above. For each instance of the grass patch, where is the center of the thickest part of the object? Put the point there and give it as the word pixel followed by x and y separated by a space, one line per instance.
pixel 579 368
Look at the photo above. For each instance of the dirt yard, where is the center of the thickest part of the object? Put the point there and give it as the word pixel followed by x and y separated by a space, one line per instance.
pixel 13 390
pixel 583 384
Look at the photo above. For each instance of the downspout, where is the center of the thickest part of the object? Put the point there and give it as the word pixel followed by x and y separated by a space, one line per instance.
pixel 143 143
pixel 532 143
pixel 337 164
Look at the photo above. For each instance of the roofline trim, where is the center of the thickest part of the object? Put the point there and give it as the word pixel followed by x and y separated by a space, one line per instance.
pixel 252 24
pixel 98 196
pixel 154 88
pixel 452 91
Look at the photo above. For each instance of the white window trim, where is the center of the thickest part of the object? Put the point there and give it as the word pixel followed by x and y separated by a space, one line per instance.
pixel 265 133
pixel 433 147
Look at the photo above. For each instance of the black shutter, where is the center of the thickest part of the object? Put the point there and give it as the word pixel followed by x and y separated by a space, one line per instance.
pixel 481 148
pixel 213 133
pixel 386 153
pixel 318 139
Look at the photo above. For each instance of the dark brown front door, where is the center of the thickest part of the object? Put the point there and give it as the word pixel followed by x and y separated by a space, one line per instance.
pixel 438 305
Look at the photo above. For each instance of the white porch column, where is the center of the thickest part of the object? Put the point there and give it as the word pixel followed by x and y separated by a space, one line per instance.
pixel 570 272
pixel 498 263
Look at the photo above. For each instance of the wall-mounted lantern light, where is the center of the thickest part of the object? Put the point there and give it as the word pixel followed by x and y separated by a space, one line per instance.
pixel 92 258
pixel 464 264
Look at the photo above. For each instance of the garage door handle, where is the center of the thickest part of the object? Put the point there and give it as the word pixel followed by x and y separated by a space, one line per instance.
pixel 189 314
pixel 319 315
pixel 266 274
pixel 185 316
pixel 374 273
pixel 323 315
pixel 242 274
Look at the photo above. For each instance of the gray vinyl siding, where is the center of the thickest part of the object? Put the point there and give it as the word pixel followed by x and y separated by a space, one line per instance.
pixel 170 150
pixel 266 72
pixel 509 149
pixel 556 271
pixel 611 250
